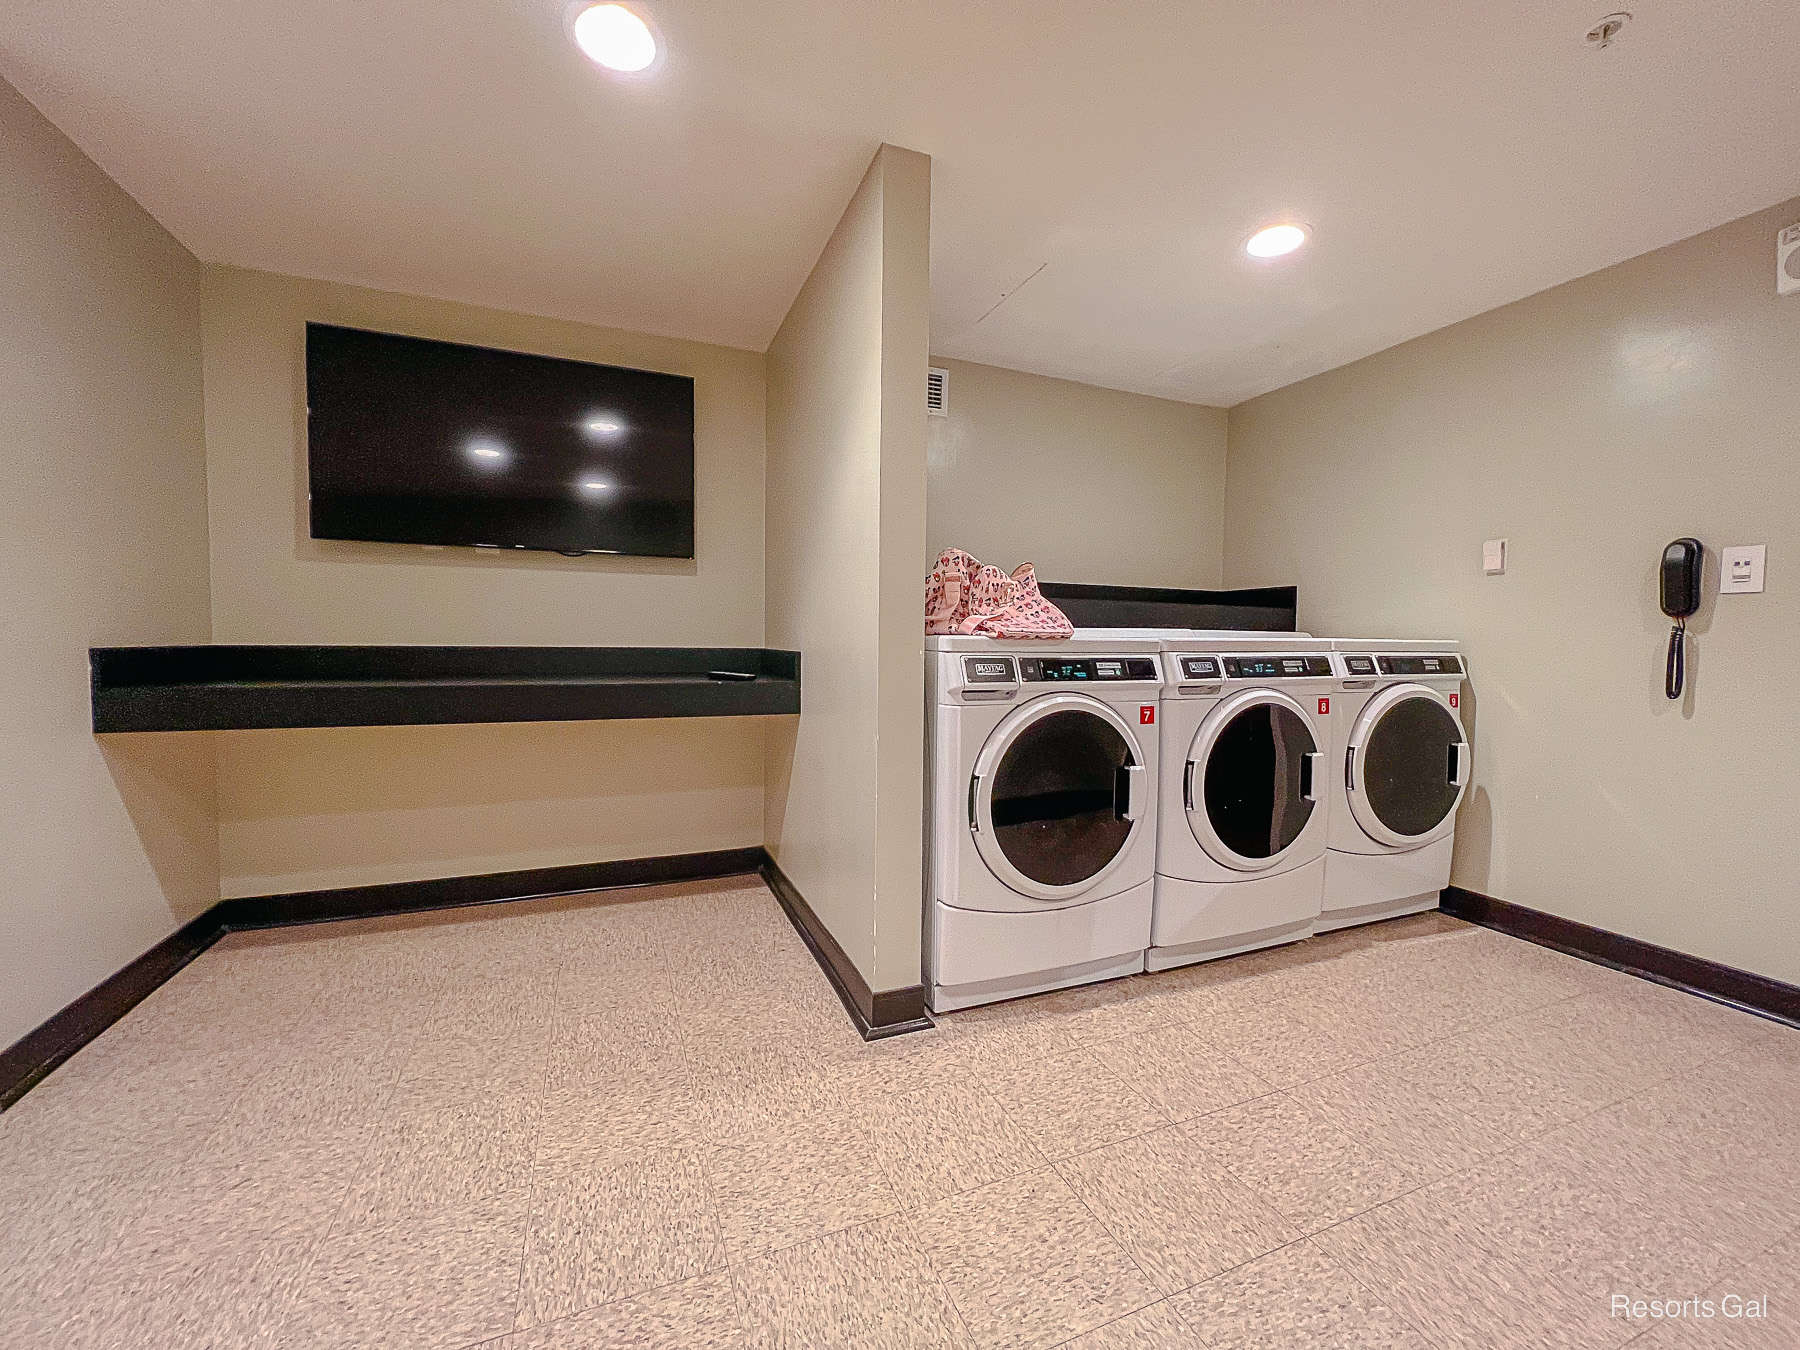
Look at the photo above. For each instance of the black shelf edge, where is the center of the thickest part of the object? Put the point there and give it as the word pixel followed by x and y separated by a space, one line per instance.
pixel 229 688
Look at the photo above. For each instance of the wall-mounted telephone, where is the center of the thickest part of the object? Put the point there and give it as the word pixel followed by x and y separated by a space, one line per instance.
pixel 1680 598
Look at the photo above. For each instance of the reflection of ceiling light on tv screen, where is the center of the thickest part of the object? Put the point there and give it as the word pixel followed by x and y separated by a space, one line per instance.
pixel 614 37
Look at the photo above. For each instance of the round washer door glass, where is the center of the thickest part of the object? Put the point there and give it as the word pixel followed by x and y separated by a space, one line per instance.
pixel 1059 797
pixel 1253 789
pixel 1408 765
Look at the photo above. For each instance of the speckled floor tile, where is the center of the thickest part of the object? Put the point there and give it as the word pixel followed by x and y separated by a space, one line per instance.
pixel 1157 1327
pixel 1181 1071
pixel 700 1314
pixel 1755 1305
pixel 333 1136
pixel 291 1187
pixel 1104 1012
pixel 1295 1296
pixel 1175 1208
pixel 1300 1159
pixel 1403 1121
pixel 174 1294
pixel 949 1138
pixel 1442 1277
pixel 1601 1048
pixel 1027 1264
pixel 1285 1042
pixel 1070 1103
pixel 449 1280
pixel 1004 1033
pixel 777 1192
pixel 1470 1075
pixel 425 1161
pixel 870 1286
pixel 604 1232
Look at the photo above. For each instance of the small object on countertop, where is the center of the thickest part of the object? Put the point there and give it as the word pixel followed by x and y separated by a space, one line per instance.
pixel 731 675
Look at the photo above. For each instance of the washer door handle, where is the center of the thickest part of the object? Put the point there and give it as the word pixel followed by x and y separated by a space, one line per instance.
pixel 1459 764
pixel 1134 792
pixel 974 796
pixel 1309 775
pixel 1187 786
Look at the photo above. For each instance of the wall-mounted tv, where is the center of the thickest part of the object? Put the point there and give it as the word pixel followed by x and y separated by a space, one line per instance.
pixel 419 442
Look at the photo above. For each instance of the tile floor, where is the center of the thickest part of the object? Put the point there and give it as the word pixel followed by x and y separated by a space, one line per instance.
pixel 642 1119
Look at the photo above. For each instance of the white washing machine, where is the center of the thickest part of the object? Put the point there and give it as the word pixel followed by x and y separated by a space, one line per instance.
pixel 1400 765
pixel 1042 820
pixel 1244 797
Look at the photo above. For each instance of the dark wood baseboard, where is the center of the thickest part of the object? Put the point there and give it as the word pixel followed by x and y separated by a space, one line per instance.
pixel 25 1063
pixel 877 1014
pixel 1692 974
pixel 409 897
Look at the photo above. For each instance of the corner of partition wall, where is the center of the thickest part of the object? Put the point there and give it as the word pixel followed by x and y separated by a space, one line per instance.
pixel 905 360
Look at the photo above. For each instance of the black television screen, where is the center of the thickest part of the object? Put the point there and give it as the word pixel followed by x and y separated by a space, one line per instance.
pixel 419 442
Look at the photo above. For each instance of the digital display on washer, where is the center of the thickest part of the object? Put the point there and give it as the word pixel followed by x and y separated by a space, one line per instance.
pixel 1275 667
pixel 1199 667
pixel 1420 665
pixel 1075 669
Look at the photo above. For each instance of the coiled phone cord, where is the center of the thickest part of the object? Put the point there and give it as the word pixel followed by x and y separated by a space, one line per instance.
pixel 1675 675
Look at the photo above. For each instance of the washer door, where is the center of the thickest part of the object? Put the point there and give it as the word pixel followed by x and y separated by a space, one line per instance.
pixel 1252 779
pixel 1057 794
pixel 1406 765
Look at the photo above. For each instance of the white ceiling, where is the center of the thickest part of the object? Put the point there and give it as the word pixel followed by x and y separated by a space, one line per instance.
pixel 1449 156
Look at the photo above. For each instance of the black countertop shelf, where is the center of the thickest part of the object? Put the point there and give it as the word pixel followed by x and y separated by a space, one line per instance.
pixel 220 688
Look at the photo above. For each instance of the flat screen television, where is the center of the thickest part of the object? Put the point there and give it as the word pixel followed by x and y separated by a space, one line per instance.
pixel 419 442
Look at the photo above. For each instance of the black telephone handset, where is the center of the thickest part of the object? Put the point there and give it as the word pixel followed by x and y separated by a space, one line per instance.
pixel 1680 598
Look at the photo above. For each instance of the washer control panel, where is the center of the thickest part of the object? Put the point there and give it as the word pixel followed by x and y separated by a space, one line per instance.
pixel 1085 669
pixel 1275 667
pixel 1414 665
pixel 1199 667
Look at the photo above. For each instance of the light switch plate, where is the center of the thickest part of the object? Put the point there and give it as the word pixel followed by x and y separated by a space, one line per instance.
pixel 1493 556
pixel 1741 569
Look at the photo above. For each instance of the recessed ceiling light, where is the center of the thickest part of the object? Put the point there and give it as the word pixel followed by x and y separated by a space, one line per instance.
pixel 596 485
pixel 605 426
pixel 1275 240
pixel 614 37
pixel 486 451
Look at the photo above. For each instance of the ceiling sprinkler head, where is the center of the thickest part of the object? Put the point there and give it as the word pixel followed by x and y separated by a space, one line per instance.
pixel 1603 34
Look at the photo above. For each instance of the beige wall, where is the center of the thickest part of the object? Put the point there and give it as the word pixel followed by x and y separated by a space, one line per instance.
pixel 846 504
pixel 1589 425
pixel 273 583
pixel 309 809
pixel 1092 485
pixel 305 809
pixel 103 849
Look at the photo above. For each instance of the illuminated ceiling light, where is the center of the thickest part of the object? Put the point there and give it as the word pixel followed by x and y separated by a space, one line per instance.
pixel 487 452
pixel 614 37
pixel 1275 240
pixel 604 426
pixel 595 486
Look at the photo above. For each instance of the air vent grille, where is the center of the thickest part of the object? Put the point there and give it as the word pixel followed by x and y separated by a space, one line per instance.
pixel 937 391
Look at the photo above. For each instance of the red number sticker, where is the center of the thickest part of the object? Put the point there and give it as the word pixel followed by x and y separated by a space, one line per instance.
pixel 1324 706
pixel 1147 715
pixel 1453 699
